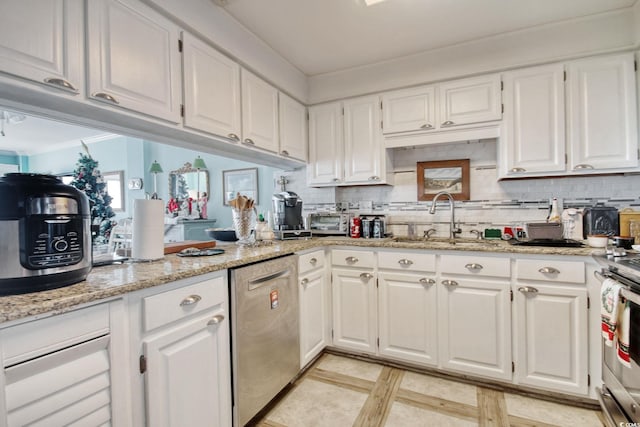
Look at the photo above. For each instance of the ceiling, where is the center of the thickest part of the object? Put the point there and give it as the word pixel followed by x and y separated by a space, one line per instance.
pixel 322 36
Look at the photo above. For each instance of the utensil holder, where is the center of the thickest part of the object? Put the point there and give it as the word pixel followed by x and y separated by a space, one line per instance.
pixel 243 224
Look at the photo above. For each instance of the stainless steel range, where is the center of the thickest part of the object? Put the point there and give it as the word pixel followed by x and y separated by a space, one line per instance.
pixel 620 394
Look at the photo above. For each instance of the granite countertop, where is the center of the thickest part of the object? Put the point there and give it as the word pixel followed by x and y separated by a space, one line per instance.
pixel 113 280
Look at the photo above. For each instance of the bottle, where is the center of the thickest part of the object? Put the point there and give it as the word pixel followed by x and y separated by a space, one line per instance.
pixel 355 227
pixel 554 214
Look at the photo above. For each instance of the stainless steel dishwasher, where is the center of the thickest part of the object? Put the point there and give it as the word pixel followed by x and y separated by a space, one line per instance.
pixel 265 336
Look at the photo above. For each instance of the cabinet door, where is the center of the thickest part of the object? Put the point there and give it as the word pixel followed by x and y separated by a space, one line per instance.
pixel 42 41
pixel 469 101
pixel 188 378
pixel 552 337
pixel 211 89
pixel 533 138
pixel 408 319
pixel 325 144
pixel 475 336
pixel 354 310
pixel 602 127
pixel 259 113
pixel 409 110
pixel 314 310
pixel 134 59
pixel 363 151
pixel 293 128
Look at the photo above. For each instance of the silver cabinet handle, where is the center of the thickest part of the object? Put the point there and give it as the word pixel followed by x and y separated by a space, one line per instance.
pixel 284 153
pixel 426 281
pixel 449 283
pixel 517 170
pixel 351 260
pixel 304 281
pixel 582 166
pixel 374 178
pixel 549 270
pixel 405 261
pixel 473 266
pixel 528 289
pixel 336 179
pixel 233 136
pixel 190 300
pixel 248 141
pixel 105 97
pixel 366 276
pixel 447 123
pixel 61 84
pixel 215 320
pixel 426 126
pixel 313 261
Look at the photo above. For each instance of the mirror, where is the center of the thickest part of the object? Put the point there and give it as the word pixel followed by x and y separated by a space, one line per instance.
pixel 188 182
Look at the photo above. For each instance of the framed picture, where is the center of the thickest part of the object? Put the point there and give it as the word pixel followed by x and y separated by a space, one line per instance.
pixel 243 181
pixel 443 175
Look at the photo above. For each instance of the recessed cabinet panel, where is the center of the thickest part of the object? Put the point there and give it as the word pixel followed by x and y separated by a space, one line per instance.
pixel 293 128
pixel 409 110
pixel 42 41
pixel 363 150
pixel 325 144
pixel 212 89
pixel 603 132
pixel 533 137
pixel 314 310
pixel 259 113
pixel 470 101
pixel 134 60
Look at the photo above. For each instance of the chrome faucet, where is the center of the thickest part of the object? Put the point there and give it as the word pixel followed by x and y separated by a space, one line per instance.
pixel 453 230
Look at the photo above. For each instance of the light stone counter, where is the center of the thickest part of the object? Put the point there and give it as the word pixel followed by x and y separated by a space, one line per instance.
pixel 111 281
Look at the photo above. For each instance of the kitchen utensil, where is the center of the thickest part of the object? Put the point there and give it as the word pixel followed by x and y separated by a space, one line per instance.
pixel 243 224
pixel 544 230
pixel 623 241
pixel 572 224
pixel 598 240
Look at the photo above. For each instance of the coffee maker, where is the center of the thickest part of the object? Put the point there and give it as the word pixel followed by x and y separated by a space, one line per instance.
pixel 287 216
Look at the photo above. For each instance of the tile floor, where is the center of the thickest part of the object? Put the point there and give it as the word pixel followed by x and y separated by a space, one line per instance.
pixel 340 391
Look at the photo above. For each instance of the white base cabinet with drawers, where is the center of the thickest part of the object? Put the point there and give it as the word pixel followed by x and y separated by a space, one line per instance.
pixel 315 305
pixel 181 331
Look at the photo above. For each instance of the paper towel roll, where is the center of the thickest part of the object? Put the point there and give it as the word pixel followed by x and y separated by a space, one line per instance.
pixel 148 229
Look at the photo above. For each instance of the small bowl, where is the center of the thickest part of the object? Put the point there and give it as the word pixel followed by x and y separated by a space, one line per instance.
pixel 635 247
pixel 597 240
pixel 222 234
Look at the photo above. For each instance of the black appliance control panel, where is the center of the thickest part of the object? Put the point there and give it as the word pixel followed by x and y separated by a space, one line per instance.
pixel 52 241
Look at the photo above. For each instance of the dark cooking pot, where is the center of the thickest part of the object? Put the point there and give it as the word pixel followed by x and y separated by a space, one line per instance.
pixel 623 241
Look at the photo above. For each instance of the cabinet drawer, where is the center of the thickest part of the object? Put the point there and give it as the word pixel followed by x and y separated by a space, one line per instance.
pixel 33 339
pixel 310 261
pixel 173 305
pixel 407 261
pixel 346 258
pixel 551 270
pixel 475 265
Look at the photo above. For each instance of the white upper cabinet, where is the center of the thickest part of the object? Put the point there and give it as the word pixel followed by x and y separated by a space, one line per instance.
pixel 363 151
pixel 134 58
pixel 602 114
pixel 259 113
pixel 409 110
pixel 325 144
pixel 533 134
pixel 293 128
pixel 468 101
pixel 211 90
pixel 42 41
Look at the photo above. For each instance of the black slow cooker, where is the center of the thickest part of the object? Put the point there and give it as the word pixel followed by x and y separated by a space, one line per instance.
pixel 45 234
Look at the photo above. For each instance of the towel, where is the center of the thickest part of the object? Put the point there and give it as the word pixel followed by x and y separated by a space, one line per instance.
pixel 609 309
pixel 622 341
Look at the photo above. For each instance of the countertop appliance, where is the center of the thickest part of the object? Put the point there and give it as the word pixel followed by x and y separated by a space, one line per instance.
pixel 46 234
pixel 619 397
pixel 328 223
pixel 600 220
pixel 265 339
pixel 287 212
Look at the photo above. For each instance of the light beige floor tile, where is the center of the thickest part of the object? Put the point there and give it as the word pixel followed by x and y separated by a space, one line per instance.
pixel 549 412
pixel 316 404
pixel 352 367
pixel 439 387
pixel 404 415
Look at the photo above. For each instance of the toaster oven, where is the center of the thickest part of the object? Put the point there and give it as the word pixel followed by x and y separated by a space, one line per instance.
pixel 330 224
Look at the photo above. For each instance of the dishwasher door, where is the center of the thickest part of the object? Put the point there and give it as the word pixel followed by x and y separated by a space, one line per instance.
pixel 265 335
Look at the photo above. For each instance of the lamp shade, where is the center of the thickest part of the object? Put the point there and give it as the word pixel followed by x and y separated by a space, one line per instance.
pixel 198 163
pixel 155 167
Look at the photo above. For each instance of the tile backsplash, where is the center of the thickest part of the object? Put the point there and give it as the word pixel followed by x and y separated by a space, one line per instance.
pixel 493 203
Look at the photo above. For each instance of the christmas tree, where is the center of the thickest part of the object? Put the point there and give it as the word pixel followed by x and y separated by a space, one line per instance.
pixel 87 178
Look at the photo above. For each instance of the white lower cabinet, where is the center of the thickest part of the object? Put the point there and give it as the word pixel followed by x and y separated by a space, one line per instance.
pixel 183 337
pixel 315 303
